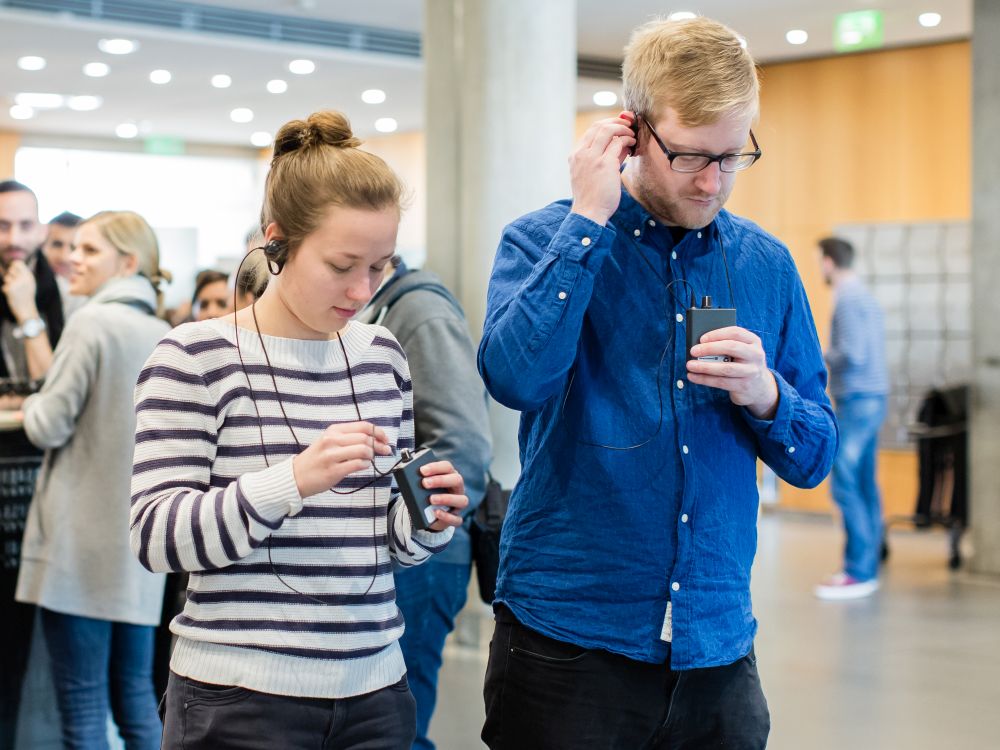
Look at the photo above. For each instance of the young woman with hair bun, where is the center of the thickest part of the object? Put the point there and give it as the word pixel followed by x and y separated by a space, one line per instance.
pixel 98 606
pixel 264 447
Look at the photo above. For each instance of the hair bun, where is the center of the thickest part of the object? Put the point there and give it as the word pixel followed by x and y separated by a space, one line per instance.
pixel 326 128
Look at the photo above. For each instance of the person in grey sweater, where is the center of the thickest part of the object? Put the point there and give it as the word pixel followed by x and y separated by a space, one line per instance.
pixel 450 416
pixel 98 605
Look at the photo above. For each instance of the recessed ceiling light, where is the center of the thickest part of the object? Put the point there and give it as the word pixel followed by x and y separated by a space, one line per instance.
pixel 31 62
pixel 373 96
pixel 127 130
pixel 221 81
pixel 160 76
pixel 40 101
pixel 302 67
pixel 96 69
pixel 797 36
pixel 261 139
pixel 681 15
pixel 241 114
pixel 117 46
pixel 84 103
pixel 386 125
pixel 21 112
pixel 605 98
pixel 277 86
pixel 929 20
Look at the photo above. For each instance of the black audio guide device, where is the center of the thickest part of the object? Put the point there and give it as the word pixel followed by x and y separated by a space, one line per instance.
pixel 415 495
pixel 701 320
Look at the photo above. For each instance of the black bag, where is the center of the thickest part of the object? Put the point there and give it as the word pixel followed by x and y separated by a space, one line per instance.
pixel 484 530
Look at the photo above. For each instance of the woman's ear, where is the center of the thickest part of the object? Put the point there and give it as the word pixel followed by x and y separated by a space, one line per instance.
pixel 273 232
pixel 129 264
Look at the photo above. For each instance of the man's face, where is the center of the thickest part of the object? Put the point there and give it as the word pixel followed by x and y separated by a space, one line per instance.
pixel 20 232
pixel 826 267
pixel 690 200
pixel 57 247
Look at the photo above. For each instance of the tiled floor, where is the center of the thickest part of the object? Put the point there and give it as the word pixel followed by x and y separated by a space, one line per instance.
pixel 916 667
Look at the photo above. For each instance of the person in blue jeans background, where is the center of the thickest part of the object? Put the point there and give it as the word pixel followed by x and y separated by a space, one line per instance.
pixel 450 416
pixel 859 385
pixel 98 606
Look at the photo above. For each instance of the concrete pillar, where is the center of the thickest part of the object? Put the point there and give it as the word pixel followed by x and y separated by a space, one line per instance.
pixel 500 105
pixel 984 444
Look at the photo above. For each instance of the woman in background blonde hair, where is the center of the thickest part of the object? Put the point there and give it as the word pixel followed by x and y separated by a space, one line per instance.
pixel 98 606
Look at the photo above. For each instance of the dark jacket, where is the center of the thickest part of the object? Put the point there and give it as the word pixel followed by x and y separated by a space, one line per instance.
pixel 449 400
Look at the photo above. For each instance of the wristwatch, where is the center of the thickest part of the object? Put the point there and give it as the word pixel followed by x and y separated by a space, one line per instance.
pixel 29 329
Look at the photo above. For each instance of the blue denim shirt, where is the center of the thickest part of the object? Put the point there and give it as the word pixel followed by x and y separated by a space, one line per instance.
pixel 583 337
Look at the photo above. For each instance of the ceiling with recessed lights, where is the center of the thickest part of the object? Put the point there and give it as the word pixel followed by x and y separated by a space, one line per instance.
pixel 179 85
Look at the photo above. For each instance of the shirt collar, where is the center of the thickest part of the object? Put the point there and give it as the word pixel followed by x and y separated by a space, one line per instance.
pixel 634 220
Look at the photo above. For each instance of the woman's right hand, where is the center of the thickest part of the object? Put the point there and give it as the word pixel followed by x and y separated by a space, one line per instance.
pixel 341 450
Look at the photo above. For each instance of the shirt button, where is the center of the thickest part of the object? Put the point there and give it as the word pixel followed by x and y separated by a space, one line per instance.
pixel 684 518
pixel 562 295
pixel 699 235
pixel 637 232
pixel 585 242
pixel 680 384
pixel 675 586
pixel 674 255
pixel 652 223
pixel 684 449
pixel 680 318
pixel 791 449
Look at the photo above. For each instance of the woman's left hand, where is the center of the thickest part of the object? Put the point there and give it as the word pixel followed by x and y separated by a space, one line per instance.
pixel 450 493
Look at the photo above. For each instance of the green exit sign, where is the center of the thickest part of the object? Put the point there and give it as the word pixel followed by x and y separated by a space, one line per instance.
pixel 163 145
pixel 861 29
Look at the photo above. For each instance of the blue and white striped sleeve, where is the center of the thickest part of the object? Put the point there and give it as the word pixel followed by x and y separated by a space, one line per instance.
pixel 178 520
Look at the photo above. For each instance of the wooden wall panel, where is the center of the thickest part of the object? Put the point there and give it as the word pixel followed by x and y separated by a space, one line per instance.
pixel 876 137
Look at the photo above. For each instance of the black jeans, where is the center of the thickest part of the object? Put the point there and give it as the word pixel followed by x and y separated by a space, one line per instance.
pixel 548 695
pixel 199 716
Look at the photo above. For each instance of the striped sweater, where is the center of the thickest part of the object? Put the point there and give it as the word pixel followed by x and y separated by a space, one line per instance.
pixel 205 500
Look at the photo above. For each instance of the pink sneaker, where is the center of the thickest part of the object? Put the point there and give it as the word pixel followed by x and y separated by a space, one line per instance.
pixel 843 586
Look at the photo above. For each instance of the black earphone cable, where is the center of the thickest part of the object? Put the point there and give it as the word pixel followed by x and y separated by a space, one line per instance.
pixel 298 444
pixel 670 339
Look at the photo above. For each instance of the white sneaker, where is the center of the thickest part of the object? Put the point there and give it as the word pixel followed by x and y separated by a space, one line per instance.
pixel 843 586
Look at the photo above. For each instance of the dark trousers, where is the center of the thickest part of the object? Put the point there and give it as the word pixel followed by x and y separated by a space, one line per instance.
pixel 543 694
pixel 16 623
pixel 200 716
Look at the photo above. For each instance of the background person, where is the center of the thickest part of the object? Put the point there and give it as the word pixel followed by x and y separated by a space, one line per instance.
pixel 631 531
pixel 98 606
pixel 859 385
pixel 262 450
pixel 450 417
pixel 211 298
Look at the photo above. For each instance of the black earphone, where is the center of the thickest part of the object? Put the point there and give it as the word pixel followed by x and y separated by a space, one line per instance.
pixel 634 125
pixel 276 254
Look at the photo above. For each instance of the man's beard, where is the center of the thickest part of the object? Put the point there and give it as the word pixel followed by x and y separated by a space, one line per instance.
pixel 680 211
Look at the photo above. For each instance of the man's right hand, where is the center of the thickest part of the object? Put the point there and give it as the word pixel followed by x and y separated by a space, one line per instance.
pixel 341 450
pixel 595 167
pixel 19 287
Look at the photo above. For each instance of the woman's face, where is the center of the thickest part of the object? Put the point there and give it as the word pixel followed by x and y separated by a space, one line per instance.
pixel 213 301
pixel 337 268
pixel 94 261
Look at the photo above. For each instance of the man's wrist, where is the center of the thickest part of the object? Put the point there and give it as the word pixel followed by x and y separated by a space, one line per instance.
pixel 766 409
pixel 595 215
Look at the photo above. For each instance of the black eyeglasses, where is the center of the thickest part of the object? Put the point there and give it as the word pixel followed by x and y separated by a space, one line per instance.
pixel 691 162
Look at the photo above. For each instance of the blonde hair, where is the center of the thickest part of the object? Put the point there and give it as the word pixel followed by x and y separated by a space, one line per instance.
pixel 317 164
pixel 698 67
pixel 130 234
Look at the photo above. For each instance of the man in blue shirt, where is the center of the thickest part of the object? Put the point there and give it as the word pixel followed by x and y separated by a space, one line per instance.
pixel 632 529
pixel 859 385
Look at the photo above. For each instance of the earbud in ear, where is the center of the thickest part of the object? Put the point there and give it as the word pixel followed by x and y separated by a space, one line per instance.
pixel 276 253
